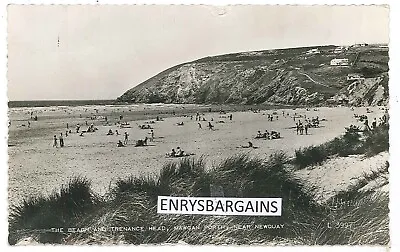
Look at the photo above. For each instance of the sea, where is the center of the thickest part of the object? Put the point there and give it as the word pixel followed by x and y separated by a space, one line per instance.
pixel 50 103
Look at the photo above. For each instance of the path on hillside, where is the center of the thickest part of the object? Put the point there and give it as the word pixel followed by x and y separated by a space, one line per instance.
pixel 311 79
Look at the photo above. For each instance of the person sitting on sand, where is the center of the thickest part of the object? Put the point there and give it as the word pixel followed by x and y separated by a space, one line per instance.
pixel 139 143
pixel 116 132
pixel 120 144
pixel 81 134
pixel 173 153
pixel 266 134
pixel 259 135
pixel 180 124
pixel 179 152
pixel 110 132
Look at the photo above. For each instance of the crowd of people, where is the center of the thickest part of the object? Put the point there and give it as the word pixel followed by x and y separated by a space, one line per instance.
pixel 303 126
pixel 177 153
pixel 268 135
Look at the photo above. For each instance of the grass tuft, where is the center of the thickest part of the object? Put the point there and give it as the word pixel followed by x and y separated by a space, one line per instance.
pixel 131 202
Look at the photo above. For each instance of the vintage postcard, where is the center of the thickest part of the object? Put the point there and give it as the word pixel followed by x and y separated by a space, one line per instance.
pixel 198 124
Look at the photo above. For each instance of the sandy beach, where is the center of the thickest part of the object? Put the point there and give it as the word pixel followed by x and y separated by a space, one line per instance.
pixel 36 167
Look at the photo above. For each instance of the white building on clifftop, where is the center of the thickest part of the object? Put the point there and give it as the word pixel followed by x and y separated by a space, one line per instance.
pixel 339 62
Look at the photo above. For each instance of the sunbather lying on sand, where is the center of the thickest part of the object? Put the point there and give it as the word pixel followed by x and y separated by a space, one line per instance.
pixel 178 153
pixel 250 145
pixel 264 135
pixel 275 135
pixel 145 126
pixel 140 142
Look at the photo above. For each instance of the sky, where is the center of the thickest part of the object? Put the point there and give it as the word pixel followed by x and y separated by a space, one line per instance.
pixel 98 52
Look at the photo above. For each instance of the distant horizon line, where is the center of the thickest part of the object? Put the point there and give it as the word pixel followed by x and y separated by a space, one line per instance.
pixel 102 99
pixel 300 46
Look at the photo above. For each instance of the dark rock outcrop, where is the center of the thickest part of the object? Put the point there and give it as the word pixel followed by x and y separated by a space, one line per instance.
pixel 285 76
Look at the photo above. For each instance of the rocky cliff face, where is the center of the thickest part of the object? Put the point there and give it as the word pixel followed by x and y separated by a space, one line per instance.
pixel 286 76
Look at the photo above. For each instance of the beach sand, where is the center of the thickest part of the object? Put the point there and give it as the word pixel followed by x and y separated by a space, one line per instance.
pixel 35 167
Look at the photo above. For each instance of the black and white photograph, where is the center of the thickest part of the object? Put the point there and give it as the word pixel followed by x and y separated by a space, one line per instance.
pixel 198 125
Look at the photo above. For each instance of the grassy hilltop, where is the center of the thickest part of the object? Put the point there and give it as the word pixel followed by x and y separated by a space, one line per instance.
pixel 283 76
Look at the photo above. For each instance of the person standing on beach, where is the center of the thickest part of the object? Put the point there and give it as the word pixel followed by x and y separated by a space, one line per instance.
pixel 230 117
pixel 152 135
pixel 373 123
pixel 366 128
pixel 55 141
pixel 199 125
pixel 210 126
pixel 61 140
pixel 126 138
